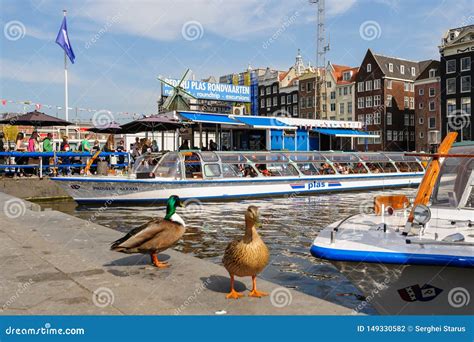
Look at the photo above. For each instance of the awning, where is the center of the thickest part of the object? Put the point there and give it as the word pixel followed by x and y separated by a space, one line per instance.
pixel 210 118
pixel 263 122
pixel 345 133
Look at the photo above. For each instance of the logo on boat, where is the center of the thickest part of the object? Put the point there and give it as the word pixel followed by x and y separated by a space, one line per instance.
pixel 75 186
pixel 314 185
pixel 416 292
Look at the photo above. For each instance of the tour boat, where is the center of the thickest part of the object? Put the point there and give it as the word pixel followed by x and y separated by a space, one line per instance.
pixel 418 260
pixel 207 175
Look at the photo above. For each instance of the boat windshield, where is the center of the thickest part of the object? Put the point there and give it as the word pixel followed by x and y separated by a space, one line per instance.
pixel 146 163
pixel 455 183
pixel 169 166
pixel 406 163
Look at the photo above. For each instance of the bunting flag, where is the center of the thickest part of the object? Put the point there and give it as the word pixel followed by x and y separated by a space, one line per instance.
pixel 4 102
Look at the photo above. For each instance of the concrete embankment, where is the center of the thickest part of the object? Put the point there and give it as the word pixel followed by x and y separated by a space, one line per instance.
pixel 32 188
pixel 53 263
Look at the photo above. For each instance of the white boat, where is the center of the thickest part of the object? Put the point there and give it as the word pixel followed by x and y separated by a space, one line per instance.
pixel 228 175
pixel 422 265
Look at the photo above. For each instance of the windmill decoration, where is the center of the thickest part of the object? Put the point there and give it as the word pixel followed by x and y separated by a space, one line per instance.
pixel 179 97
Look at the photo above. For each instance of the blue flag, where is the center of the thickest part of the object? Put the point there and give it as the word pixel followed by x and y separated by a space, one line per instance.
pixel 63 41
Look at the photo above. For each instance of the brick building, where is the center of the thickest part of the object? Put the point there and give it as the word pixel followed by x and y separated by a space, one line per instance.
pixel 385 102
pixel 456 71
pixel 428 107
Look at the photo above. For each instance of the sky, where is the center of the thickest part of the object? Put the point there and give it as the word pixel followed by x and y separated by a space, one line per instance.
pixel 121 47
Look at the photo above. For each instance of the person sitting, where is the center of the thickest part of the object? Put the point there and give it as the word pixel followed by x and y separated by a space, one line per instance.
pixel 184 145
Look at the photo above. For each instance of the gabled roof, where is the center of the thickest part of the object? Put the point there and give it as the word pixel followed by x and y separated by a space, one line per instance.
pixel 339 70
pixel 384 61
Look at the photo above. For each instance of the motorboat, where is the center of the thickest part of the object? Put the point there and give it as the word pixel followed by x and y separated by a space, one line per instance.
pixel 413 258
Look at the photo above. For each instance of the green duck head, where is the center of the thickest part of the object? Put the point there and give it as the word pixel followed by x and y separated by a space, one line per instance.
pixel 173 202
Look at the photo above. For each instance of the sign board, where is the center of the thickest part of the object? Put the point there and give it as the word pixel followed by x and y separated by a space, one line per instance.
pixel 211 91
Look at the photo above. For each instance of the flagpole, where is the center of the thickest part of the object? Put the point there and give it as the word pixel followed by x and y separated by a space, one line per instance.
pixel 66 104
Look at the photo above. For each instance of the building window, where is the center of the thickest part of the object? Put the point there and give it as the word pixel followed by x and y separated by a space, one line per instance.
pixel 402 69
pixel 432 92
pixel 345 90
pixel 369 118
pixel 333 95
pixel 390 67
pixel 432 73
pixel 340 91
pixel 377 120
pixel 395 135
pixel 432 123
pixel 406 86
pixel 420 105
pixel 450 106
pixel 465 63
pixel 412 87
pixel 349 107
pixel 421 91
pixel 413 71
pixel 466 105
pixel 346 76
pixel 422 135
pixel 275 101
pixel 360 87
pixel 389 118
pixel 288 99
pixel 432 106
pixel 295 98
pixel 368 102
pixel 465 84
pixel 412 120
pixel 283 100
pixel 389 101
pixel 406 101
pixel 324 108
pixel 369 67
pixel 368 85
pixel 361 118
pixel 412 103
pixel 262 103
pixel 295 110
pixel 412 136
pixel 389 135
pixel 333 107
pixel 421 121
pixel 377 140
pixel 377 84
pixel 360 102
pixel 389 84
pixel 406 120
pixel 377 100
pixel 269 102
pixel 262 91
pixel 309 86
pixel 328 84
pixel 268 90
pixel 303 87
pixel 303 102
pixel 275 89
pixel 451 86
pixel 451 66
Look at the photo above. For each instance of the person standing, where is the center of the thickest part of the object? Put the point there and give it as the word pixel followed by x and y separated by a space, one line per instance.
pixel 212 145
pixel 20 146
pixel 64 147
pixel 85 144
pixel 47 147
pixel 121 149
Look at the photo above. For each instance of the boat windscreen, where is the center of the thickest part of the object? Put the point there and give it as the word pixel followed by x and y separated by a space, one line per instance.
pixel 236 158
pixel 169 166
pixel 400 157
pixel 209 156
pixel 373 157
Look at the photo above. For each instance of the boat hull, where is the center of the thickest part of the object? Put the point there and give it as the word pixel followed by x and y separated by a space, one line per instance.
pixel 86 190
pixel 398 277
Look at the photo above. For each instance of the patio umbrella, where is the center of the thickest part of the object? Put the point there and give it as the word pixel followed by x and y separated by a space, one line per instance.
pixel 112 128
pixel 36 119
pixel 151 124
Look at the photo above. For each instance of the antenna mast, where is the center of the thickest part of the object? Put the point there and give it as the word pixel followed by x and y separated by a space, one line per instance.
pixel 321 49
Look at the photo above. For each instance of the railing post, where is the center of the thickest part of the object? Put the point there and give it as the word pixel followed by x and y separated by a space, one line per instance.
pixel 41 167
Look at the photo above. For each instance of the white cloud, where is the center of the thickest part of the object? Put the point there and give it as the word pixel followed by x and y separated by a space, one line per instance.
pixel 164 19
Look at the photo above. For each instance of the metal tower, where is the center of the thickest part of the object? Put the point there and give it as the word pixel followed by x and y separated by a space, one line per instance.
pixel 321 49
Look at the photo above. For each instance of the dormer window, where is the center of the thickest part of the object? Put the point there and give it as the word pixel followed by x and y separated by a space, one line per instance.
pixel 402 69
pixel 346 76
pixel 369 67
pixel 390 67
pixel 432 73
pixel 413 71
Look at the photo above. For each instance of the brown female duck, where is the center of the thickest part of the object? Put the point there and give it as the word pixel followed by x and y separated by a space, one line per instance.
pixel 248 256
pixel 155 236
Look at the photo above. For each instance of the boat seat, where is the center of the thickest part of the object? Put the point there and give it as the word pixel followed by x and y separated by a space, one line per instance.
pixel 396 202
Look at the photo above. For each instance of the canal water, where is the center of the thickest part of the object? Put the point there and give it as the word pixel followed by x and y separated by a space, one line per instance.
pixel 289 227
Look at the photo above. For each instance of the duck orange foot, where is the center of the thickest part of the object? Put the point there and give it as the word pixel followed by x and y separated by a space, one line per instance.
pixel 234 295
pixel 157 263
pixel 257 294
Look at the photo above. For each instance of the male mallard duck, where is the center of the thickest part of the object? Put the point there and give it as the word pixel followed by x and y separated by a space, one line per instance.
pixel 154 236
pixel 248 256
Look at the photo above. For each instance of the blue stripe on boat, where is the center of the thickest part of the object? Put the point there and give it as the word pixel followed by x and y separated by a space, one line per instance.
pixel 391 258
